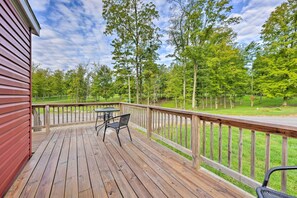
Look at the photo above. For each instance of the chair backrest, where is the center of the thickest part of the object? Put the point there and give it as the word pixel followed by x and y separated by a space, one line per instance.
pixel 124 119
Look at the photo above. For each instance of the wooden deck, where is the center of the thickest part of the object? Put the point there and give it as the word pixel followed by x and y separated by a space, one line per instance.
pixel 73 162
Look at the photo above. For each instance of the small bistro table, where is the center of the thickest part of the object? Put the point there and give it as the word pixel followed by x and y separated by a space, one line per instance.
pixel 107 114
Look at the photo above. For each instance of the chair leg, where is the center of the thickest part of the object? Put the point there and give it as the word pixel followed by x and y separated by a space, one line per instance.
pixel 104 132
pixel 118 137
pixel 96 123
pixel 129 133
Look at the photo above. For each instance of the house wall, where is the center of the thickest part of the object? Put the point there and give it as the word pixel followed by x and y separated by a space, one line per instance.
pixel 15 94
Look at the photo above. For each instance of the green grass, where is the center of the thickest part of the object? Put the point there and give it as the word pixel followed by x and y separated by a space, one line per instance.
pixel 266 107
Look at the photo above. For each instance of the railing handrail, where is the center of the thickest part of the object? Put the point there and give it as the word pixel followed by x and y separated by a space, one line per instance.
pixel 277 129
pixel 74 104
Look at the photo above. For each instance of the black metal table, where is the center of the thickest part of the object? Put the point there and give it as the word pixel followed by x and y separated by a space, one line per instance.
pixel 107 114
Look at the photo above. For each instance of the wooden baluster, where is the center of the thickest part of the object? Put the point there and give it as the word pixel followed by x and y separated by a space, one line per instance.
pixel 44 114
pixel 39 117
pixel 79 113
pixel 171 128
pixel 158 124
pixel 180 130
pixel 47 119
pixel 211 140
pixel 58 115
pixel 74 113
pixel 204 138
pixel 195 141
pixel 168 124
pixel 186 132
pixel 144 117
pixel 240 151
pixel 253 154
pixel 162 124
pixel 176 129
pixel 71 113
pixel 267 152
pixel 220 142
pixel 67 111
pixel 284 163
pixel 63 114
pixel 149 122
pixel 83 113
pixel 229 146
pixel 54 117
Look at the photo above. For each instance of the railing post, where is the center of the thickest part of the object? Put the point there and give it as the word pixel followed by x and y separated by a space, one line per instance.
pixel 47 119
pixel 36 120
pixel 121 108
pixel 195 141
pixel 148 122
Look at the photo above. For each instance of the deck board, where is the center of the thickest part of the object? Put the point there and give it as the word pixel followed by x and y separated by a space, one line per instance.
pixel 74 162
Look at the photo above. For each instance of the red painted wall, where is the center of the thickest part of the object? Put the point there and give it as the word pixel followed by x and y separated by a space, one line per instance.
pixel 15 94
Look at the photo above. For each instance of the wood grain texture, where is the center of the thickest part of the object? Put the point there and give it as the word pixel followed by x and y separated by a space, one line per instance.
pixel 74 162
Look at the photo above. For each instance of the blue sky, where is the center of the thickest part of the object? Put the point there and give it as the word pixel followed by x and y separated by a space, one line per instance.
pixel 72 30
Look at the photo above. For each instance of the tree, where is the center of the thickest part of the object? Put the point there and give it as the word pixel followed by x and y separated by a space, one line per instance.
pixel 137 38
pixel 57 83
pixel 40 84
pixel 203 19
pixel 179 38
pixel 76 82
pixel 174 84
pixel 277 65
pixel 102 81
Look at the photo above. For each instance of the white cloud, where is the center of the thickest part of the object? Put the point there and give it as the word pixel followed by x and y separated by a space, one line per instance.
pixel 40 5
pixel 73 31
pixel 253 15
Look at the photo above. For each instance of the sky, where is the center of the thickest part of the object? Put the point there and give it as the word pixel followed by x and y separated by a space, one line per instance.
pixel 72 31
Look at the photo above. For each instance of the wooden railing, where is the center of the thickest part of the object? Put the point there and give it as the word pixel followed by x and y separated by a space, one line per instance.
pixel 45 116
pixel 220 142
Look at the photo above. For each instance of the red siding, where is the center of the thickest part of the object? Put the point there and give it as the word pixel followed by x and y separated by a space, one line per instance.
pixel 15 94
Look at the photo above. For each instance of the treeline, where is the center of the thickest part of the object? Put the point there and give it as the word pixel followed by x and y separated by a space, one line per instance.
pixel 207 62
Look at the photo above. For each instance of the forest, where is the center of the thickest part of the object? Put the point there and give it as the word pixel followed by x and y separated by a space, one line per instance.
pixel 208 64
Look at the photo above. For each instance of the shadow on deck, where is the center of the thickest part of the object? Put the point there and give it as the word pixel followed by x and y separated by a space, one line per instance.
pixel 74 162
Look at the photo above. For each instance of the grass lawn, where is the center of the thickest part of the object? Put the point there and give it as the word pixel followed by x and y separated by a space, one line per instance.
pixel 266 107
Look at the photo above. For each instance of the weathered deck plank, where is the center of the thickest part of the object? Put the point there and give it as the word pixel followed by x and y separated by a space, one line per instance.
pixel 74 162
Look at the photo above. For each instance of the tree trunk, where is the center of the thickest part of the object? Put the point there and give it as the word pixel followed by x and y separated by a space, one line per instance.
pixel 285 101
pixel 231 103
pixel 210 100
pixel 202 103
pixel 216 102
pixel 206 105
pixel 194 87
pixel 225 103
pixel 175 102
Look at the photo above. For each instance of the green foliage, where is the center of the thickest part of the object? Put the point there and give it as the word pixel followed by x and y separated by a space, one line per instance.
pixel 77 81
pixel 136 37
pixel 174 84
pixel 276 65
pixel 102 84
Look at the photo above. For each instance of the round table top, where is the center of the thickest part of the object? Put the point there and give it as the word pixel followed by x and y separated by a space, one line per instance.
pixel 106 110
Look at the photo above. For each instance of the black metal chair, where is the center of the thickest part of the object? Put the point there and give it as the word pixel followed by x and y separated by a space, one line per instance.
pixel 122 123
pixel 265 192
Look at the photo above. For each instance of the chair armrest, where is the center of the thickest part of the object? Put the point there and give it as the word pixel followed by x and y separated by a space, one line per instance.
pixel 278 168
pixel 112 118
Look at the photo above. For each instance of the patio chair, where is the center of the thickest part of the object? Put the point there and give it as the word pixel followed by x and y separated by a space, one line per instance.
pixel 121 124
pixel 265 192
